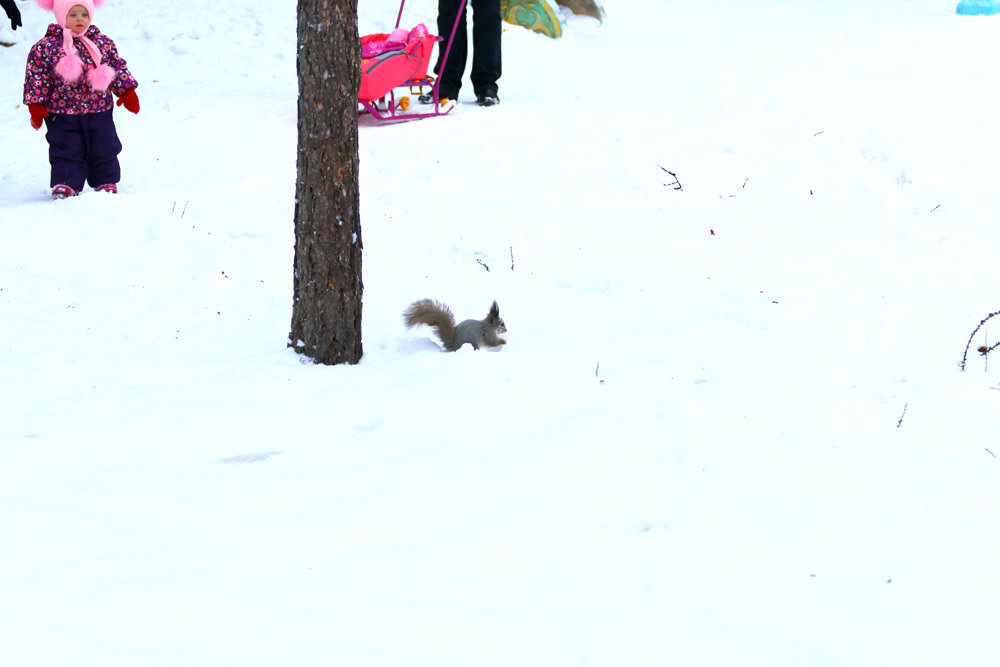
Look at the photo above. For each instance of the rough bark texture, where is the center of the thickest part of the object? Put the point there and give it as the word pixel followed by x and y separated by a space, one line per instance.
pixel 326 313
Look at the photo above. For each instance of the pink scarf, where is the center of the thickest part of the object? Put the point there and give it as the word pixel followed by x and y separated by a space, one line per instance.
pixel 70 66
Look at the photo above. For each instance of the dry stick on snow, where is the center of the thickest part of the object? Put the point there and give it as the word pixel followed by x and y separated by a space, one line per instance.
pixel 676 185
pixel 482 264
pixel 982 350
pixel 511 258
pixel 989 452
pixel 900 422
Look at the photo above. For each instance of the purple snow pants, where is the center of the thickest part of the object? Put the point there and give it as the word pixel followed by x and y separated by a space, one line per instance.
pixel 83 148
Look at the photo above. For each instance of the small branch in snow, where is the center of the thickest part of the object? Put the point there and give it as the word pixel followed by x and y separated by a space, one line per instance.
pixel 511 258
pixel 935 208
pixel 819 133
pixel 483 264
pixel 900 422
pixel 989 452
pixel 983 350
pixel 676 185
pixel 743 187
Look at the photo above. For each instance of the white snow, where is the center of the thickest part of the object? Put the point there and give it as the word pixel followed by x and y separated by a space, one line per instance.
pixel 729 427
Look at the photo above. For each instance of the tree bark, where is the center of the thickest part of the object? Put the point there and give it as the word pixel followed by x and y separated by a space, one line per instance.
pixel 326 311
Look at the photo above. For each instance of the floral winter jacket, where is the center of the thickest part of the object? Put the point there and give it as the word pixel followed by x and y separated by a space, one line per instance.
pixel 43 86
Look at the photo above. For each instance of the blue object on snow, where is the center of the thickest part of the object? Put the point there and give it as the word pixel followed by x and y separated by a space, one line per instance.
pixel 978 7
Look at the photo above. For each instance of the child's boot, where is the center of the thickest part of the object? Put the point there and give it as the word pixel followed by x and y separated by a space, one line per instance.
pixel 63 191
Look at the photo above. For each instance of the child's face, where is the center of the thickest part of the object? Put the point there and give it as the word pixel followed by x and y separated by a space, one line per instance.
pixel 78 19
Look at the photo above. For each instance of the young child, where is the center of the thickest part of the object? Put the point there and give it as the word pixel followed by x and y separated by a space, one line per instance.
pixel 66 85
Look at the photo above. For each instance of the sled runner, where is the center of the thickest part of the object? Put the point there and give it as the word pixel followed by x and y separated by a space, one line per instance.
pixel 400 59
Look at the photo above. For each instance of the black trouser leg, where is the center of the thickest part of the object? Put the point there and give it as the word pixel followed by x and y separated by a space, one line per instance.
pixel 454 67
pixel 486 33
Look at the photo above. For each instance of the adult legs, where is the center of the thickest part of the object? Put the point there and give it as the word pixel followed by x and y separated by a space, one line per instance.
pixel 486 33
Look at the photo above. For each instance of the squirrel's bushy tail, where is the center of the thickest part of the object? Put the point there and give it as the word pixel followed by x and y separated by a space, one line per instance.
pixel 434 314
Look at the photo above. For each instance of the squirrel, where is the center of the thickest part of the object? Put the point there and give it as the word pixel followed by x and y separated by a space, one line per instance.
pixel 438 316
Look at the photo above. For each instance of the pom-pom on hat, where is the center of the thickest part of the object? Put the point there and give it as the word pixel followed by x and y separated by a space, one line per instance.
pixel 70 67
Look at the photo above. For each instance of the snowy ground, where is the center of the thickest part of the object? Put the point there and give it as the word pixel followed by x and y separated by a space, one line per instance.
pixel 729 427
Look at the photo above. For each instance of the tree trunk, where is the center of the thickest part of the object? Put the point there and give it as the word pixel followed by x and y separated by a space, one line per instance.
pixel 326 313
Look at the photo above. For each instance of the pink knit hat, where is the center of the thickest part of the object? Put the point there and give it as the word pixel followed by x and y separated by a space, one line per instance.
pixel 70 67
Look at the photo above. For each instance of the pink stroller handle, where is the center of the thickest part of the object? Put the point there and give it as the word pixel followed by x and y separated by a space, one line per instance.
pixel 399 16
pixel 451 38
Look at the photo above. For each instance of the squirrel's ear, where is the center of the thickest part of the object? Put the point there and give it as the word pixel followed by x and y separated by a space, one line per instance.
pixel 494 309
